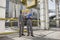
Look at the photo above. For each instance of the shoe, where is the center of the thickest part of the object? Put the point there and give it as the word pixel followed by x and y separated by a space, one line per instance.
pixel 27 35
pixel 23 35
pixel 32 35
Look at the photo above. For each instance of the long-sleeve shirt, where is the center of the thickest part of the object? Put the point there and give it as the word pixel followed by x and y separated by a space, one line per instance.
pixel 29 16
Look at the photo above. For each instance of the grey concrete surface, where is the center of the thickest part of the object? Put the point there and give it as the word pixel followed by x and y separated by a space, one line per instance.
pixel 39 35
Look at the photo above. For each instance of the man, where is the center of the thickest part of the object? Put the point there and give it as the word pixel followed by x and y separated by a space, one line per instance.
pixel 21 24
pixel 29 24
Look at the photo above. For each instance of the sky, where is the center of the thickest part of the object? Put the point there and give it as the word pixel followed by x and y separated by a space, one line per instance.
pixel 51 4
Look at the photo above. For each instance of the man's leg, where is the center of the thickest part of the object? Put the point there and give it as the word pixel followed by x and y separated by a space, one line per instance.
pixel 31 30
pixel 20 29
pixel 28 30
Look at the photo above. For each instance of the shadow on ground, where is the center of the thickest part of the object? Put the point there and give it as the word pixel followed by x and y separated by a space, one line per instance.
pixel 5 38
pixel 41 38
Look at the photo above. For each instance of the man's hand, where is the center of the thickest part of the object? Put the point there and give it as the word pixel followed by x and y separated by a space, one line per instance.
pixel 30 16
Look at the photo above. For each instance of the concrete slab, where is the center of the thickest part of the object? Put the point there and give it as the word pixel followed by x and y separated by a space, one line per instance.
pixel 41 35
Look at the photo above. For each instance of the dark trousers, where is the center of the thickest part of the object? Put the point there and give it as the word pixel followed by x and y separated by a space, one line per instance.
pixel 29 27
pixel 21 30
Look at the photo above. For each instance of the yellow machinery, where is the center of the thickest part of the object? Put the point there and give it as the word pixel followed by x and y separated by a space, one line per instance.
pixel 29 3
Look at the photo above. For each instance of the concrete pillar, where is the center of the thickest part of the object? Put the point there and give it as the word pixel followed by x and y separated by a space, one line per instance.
pixel 17 10
pixel 38 18
pixel 2 14
pixel 11 9
pixel 14 10
pixel 46 15
pixel 42 14
pixel 57 13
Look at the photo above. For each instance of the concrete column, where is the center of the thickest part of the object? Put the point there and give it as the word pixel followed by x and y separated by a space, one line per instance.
pixel 46 15
pixel 57 13
pixel 14 10
pixel 10 9
pixel 2 14
pixel 42 14
pixel 17 10
pixel 38 18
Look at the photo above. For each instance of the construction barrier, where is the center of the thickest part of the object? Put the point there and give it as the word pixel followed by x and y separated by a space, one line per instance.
pixel 16 19
pixel 8 19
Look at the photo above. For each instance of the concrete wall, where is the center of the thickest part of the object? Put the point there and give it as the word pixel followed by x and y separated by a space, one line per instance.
pixel 11 8
pixel 2 14
pixel 17 10
pixel 44 15
pixel 14 9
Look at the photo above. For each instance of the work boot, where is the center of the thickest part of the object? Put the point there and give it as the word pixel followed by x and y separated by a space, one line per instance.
pixel 23 35
pixel 27 35
pixel 32 35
